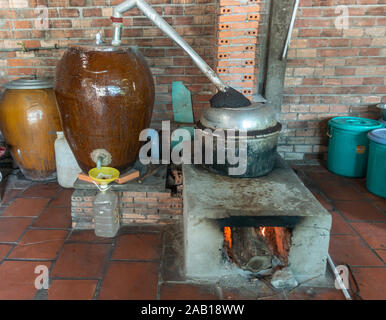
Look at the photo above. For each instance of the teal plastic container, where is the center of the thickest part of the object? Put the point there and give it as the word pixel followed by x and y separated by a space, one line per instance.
pixel 376 167
pixel 348 145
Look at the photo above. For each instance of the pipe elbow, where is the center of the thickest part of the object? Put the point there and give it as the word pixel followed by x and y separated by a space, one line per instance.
pixel 123 7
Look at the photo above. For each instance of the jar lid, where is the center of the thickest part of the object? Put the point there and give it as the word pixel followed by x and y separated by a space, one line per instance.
pixel 30 83
pixel 355 124
pixel 378 135
pixel 104 47
pixel 256 117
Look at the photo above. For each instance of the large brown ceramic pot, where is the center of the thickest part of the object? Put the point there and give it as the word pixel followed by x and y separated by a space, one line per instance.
pixel 29 121
pixel 105 96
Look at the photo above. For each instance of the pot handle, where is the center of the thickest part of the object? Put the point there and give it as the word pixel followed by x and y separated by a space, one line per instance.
pixel 328 134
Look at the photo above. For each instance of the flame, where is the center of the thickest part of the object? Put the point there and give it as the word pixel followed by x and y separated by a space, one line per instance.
pixel 228 236
pixel 263 231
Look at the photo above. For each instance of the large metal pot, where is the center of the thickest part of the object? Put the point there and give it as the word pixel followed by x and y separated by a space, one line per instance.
pixel 256 135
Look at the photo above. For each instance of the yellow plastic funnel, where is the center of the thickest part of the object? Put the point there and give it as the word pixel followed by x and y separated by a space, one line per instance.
pixel 104 175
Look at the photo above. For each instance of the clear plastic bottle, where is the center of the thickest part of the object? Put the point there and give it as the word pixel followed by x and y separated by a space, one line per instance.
pixel 106 213
pixel 66 166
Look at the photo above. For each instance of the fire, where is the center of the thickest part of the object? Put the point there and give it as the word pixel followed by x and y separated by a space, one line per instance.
pixel 263 231
pixel 228 236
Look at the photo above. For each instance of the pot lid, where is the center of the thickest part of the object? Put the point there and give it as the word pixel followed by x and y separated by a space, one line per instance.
pixel 101 47
pixel 355 124
pixel 378 135
pixel 256 117
pixel 381 106
pixel 30 83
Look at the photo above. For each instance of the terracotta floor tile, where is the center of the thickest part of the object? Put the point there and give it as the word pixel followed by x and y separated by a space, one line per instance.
pixel 130 281
pixel 39 244
pixel 81 260
pixel 350 249
pixel 25 207
pixel 12 228
pixel 18 279
pixel 54 218
pixel 4 249
pixel 382 254
pixel 304 293
pixel 359 211
pixel 42 190
pixel 138 247
pixel 88 236
pixel 9 195
pixel 381 204
pixel 371 282
pixel 321 176
pixel 373 233
pixel 340 191
pixel 339 225
pixel 360 185
pixel 176 291
pixel 323 201
pixel 72 289
pixel 62 199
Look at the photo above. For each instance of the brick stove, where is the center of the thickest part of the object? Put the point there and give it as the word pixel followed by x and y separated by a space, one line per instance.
pixel 279 199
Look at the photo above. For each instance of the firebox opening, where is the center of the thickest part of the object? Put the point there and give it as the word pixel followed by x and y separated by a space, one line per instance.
pixel 257 249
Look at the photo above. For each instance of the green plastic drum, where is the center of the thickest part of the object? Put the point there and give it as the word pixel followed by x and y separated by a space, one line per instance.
pixel 376 167
pixel 348 145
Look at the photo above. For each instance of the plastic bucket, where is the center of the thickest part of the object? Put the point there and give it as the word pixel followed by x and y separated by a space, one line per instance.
pixel 383 122
pixel 376 168
pixel 348 145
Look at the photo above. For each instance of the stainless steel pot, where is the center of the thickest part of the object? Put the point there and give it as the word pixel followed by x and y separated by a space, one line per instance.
pixel 253 136
pixel 382 107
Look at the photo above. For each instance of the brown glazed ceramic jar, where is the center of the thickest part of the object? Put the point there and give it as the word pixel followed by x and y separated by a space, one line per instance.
pixel 105 96
pixel 29 121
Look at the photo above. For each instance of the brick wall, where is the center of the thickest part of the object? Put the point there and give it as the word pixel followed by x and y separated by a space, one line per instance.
pixel 77 20
pixel 135 208
pixel 331 71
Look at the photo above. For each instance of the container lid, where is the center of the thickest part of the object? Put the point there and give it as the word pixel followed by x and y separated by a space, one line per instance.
pixel 256 117
pixel 381 106
pixel 355 124
pixel 378 135
pixel 104 47
pixel 30 83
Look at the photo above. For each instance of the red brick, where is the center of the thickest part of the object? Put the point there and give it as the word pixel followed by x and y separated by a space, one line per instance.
pixel 94 12
pixel 69 13
pixel 12 228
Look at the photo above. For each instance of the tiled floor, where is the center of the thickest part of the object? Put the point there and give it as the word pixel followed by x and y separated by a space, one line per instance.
pixel 139 263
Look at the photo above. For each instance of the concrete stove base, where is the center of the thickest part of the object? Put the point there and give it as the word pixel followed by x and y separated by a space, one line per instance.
pixel 277 199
